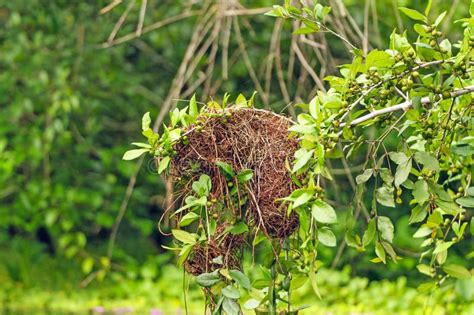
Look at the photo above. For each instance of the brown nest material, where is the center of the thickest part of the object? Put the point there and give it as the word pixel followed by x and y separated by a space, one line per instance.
pixel 202 258
pixel 246 139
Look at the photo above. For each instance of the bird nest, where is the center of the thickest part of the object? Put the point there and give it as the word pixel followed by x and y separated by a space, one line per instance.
pixel 244 138
pixel 222 250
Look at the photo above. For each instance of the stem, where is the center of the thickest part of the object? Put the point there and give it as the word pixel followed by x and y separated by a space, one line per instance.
pixel 272 293
pixel 287 240
pixel 184 292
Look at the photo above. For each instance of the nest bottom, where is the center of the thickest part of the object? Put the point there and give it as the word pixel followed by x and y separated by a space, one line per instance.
pixel 203 258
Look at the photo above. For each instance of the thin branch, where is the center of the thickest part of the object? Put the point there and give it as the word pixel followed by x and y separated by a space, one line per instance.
pixel 141 18
pixel 176 87
pixel 123 208
pixel 240 12
pixel 225 48
pixel 308 67
pixel 120 21
pixel 405 106
pixel 312 43
pixel 153 27
pixel 110 6
pixel 365 42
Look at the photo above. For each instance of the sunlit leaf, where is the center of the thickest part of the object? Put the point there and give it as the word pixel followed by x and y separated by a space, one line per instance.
pixel 323 212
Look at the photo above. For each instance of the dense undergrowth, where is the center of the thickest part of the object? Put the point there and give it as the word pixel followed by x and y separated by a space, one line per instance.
pixel 51 286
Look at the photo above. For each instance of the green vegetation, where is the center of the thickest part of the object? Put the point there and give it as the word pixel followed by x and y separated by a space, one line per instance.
pixel 374 186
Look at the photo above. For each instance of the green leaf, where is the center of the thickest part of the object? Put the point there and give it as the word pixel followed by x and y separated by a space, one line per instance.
pixel 146 121
pixel 386 176
pixel 188 219
pixel 425 269
pixel 238 228
pixel 226 168
pixel 184 253
pixel 389 250
pixel 302 157
pixel 413 14
pixel 241 101
pixel 380 252
pixel 231 292
pixel 379 59
pixel 314 283
pixel 327 237
pixel 440 18
pixel 467 202
pixel 323 212
pixel 428 7
pixel 231 307
pixel 303 198
pixel 420 192
pixel 245 175
pixel 240 278
pixel 87 265
pixel 429 161
pixel 422 232
pixel 191 201
pixel 164 162
pixel 303 128
pixel 384 196
pixel 449 207
pixel 369 234
pixel 276 12
pixel 133 154
pixel 403 170
pixel 218 308
pixel 208 279
pixel 251 304
pixel 202 187
pixel 314 107
pixel 193 109
pixel 471 226
pixel 304 30
pixel 142 145
pixel 218 260
pixel 426 287
pixel 440 246
pixel 183 236
pixel 362 178
pixel 457 271
pixel 148 133
pixel 470 190
pixel 418 214
pixel 385 226
pixel 398 157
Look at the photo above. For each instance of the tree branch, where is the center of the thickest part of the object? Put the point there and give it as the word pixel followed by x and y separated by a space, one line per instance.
pixel 405 106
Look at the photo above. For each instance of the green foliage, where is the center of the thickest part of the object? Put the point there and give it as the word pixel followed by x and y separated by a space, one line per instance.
pixel 369 93
pixel 66 108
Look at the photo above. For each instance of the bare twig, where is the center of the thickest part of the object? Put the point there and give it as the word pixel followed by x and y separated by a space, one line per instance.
pixel 308 67
pixel 110 6
pixel 176 87
pixel 248 62
pixel 240 12
pixel 123 208
pixel 141 18
pixel 120 21
pixel 153 27
pixel 365 42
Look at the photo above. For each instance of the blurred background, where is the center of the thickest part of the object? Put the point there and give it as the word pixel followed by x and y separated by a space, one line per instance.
pixel 78 226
